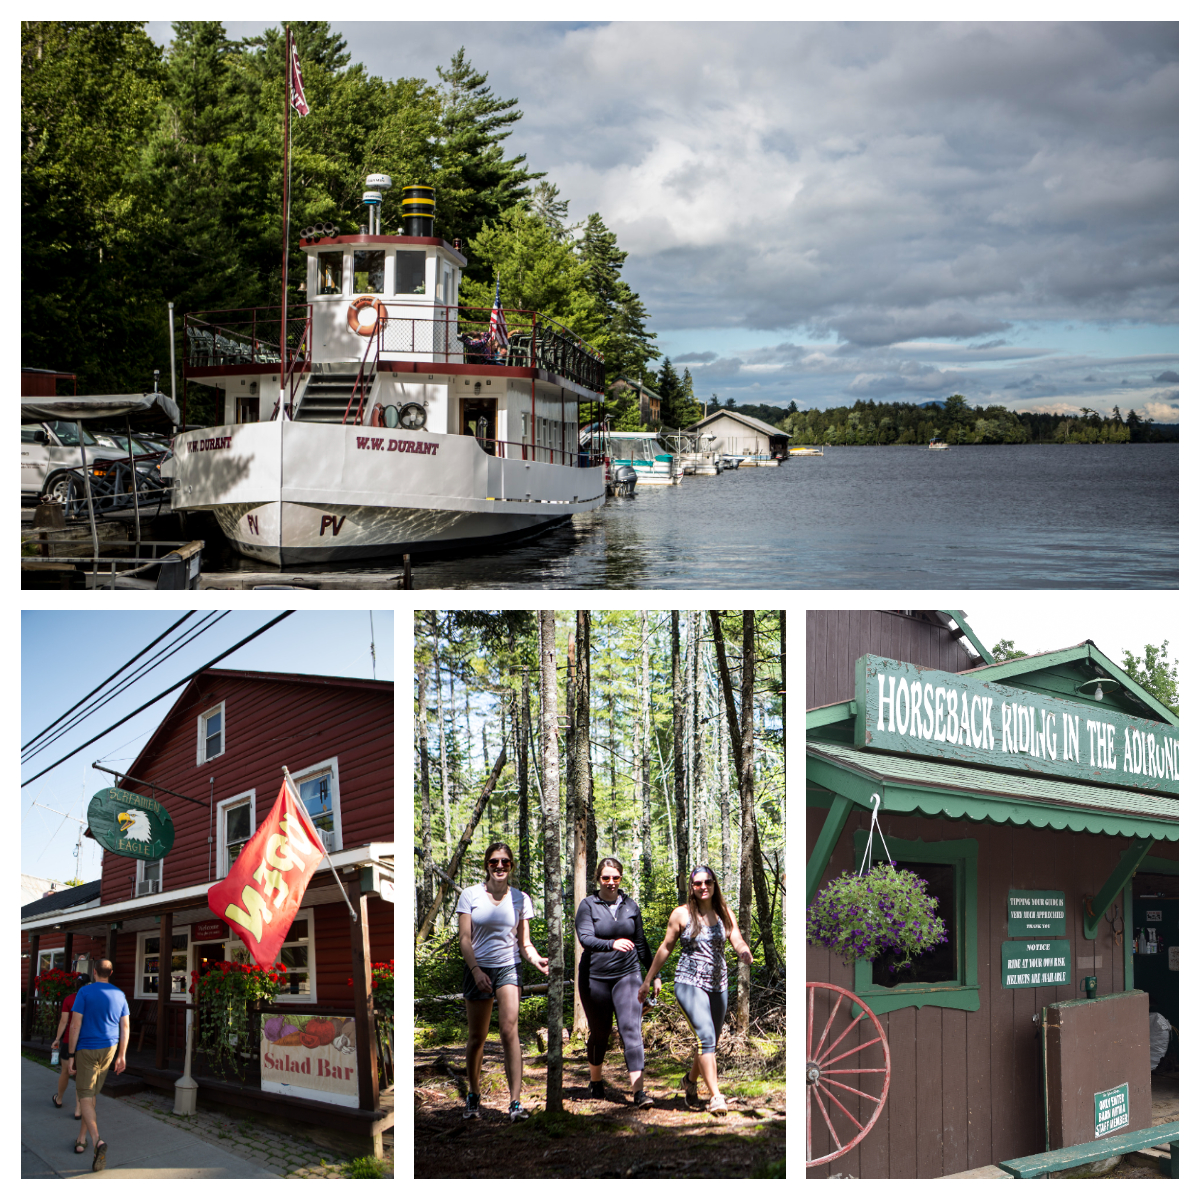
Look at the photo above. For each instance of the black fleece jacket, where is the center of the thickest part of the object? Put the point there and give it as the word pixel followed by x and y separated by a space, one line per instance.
pixel 597 929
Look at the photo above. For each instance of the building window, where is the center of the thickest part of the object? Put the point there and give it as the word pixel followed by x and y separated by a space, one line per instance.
pixel 318 786
pixel 947 976
pixel 149 877
pixel 368 272
pixel 410 272
pixel 329 273
pixel 48 960
pixel 235 825
pixel 298 955
pixel 150 965
pixel 210 734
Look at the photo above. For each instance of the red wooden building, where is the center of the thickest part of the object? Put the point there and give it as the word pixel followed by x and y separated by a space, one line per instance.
pixel 216 764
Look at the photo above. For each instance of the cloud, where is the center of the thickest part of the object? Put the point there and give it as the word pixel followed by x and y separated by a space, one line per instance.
pixel 696 356
pixel 1167 377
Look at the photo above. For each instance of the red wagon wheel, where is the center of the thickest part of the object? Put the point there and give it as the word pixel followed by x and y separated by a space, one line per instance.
pixel 826 1067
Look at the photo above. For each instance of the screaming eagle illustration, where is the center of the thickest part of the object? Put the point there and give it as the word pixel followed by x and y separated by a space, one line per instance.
pixel 135 825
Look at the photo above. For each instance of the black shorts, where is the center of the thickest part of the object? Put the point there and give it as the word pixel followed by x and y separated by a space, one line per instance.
pixel 498 975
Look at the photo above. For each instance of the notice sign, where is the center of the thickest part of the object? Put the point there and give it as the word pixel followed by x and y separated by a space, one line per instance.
pixel 310 1056
pixel 1037 911
pixel 1035 964
pixel 1112 1109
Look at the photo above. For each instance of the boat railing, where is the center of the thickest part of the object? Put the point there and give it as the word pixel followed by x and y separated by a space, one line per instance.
pixel 246 336
pixel 530 453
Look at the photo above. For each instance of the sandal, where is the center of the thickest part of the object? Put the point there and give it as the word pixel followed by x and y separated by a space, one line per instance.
pixel 56 1101
pixel 98 1159
pixel 81 1147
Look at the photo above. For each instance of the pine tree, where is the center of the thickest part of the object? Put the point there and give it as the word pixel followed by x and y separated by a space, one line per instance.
pixel 670 388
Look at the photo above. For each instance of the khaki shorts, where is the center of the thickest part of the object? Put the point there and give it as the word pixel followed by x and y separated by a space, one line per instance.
pixel 91 1070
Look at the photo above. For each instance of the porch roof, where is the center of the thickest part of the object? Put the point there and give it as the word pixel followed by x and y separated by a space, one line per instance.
pixel 943 789
pixel 191 904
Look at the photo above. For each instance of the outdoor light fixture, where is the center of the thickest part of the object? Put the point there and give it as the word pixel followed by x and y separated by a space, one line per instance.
pixel 1098 687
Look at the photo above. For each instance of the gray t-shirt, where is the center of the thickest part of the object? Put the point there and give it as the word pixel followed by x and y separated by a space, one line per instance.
pixel 494 926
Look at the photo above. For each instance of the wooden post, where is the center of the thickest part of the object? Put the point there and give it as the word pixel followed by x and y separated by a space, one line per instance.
pixel 364 1004
pixel 110 943
pixel 35 942
pixel 164 990
pixel 68 946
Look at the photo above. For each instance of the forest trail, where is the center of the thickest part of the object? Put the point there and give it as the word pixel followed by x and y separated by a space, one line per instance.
pixel 592 1138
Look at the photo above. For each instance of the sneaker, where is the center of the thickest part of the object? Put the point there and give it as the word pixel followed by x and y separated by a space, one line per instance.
pixel 641 1100
pixel 717 1105
pixel 471 1112
pixel 687 1086
pixel 516 1112
pixel 596 1089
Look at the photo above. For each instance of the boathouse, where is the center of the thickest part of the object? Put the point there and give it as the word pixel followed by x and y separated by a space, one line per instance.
pixel 215 764
pixel 1038 799
pixel 738 433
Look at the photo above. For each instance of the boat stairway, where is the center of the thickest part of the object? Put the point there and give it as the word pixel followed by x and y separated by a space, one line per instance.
pixel 325 398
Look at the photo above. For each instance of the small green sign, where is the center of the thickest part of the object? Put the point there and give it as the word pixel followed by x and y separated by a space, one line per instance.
pixel 1112 1109
pixel 130 825
pixel 1035 964
pixel 1037 911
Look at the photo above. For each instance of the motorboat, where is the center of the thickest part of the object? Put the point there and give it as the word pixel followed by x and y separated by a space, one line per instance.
pixel 696 453
pixel 381 417
pixel 654 464
pixel 934 444
pixel 806 452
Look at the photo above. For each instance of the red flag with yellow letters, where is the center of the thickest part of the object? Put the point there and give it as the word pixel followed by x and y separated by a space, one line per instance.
pixel 261 894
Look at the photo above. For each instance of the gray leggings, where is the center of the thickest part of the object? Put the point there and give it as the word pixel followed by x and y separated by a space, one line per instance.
pixel 705 1012
pixel 601 998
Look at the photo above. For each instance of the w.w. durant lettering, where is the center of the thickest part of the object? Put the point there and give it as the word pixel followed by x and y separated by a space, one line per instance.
pixel 378 443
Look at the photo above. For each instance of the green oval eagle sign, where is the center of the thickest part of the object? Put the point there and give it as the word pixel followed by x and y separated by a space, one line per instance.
pixel 130 825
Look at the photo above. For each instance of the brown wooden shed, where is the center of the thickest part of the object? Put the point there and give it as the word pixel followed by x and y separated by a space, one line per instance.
pixel 988 814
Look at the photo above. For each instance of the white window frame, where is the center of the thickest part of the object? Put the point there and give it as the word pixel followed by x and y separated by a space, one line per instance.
pixel 139 963
pixel 222 807
pixel 201 739
pixel 330 765
pixel 140 877
pixel 59 950
pixel 235 946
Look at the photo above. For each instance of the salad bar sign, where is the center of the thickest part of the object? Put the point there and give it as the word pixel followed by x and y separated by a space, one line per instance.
pixel 908 709
pixel 1035 911
pixel 312 1057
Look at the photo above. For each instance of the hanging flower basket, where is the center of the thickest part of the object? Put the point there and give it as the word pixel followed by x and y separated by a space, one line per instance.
pixel 223 996
pixel 865 916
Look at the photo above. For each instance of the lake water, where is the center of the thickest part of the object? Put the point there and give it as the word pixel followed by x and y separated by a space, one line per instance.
pixel 867 517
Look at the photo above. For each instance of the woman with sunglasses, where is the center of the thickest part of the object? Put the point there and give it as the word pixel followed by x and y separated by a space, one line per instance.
pixel 609 928
pixel 493 931
pixel 701 987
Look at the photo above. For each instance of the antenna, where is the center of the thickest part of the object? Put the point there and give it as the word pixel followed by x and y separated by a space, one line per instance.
pixel 372 616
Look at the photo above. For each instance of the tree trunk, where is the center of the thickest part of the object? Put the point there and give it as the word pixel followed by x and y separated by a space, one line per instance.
pixel 553 862
pixel 723 752
pixel 677 706
pixel 699 825
pixel 581 764
pixel 647 838
pixel 762 899
pixel 437 671
pixel 522 725
pixel 464 842
pixel 425 895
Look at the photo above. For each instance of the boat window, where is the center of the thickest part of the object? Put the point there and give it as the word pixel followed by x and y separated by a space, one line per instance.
pixel 329 273
pixel 410 272
pixel 368 272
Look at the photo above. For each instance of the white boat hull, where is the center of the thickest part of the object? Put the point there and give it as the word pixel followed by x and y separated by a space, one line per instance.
pixel 289 493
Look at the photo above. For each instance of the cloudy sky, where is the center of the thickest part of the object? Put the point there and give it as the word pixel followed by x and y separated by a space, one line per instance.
pixel 822 212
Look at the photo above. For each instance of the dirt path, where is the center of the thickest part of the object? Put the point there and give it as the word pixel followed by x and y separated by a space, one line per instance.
pixel 592 1138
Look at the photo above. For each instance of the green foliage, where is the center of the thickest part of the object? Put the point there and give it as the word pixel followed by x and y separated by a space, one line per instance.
pixel 863 916
pixel 364 1168
pixel 1004 650
pixel 1156 672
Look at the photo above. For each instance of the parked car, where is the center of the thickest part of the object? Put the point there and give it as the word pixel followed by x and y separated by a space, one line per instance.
pixel 51 457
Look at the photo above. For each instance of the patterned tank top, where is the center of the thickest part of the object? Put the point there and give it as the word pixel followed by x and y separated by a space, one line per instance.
pixel 702 958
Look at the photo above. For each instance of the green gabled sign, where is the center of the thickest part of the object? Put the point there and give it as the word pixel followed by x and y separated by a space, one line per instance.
pixel 906 709
pixel 130 825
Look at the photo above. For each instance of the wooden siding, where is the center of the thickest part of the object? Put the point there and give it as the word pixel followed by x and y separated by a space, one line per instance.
pixel 267 723
pixel 836 639
pixel 965 1087
pixel 56 941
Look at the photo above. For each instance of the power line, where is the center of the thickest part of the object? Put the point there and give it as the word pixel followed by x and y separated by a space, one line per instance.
pixel 157 661
pixel 113 676
pixel 167 691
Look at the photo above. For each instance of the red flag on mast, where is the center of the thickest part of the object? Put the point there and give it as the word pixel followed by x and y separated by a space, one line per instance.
pixel 298 101
pixel 261 894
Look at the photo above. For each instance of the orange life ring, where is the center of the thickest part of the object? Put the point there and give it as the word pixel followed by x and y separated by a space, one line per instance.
pixel 357 306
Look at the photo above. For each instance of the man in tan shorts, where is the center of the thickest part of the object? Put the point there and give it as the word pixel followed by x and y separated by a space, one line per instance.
pixel 99 1035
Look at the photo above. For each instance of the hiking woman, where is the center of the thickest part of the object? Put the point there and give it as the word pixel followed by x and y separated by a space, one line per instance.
pixel 609 928
pixel 701 987
pixel 64 1072
pixel 493 932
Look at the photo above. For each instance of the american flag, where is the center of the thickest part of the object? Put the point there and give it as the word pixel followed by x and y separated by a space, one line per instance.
pixel 298 101
pixel 498 331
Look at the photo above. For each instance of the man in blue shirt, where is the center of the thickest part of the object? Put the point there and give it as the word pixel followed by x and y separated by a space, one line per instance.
pixel 99 1031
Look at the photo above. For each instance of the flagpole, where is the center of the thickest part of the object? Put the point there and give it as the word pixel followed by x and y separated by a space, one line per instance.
pixel 296 793
pixel 287 106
